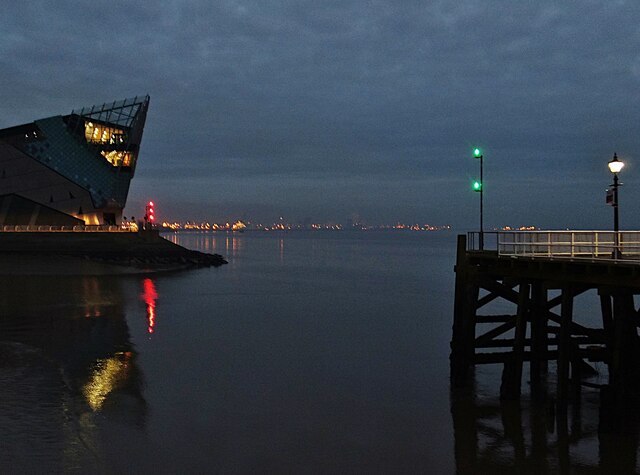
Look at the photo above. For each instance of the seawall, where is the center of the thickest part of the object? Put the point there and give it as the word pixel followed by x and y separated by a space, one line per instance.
pixel 97 252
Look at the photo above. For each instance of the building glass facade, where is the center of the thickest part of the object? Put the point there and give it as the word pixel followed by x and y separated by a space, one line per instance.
pixel 80 164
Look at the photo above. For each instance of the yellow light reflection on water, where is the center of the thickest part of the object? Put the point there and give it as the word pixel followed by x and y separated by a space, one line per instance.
pixel 108 374
pixel 281 246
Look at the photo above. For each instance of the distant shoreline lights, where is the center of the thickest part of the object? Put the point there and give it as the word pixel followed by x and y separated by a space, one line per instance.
pixel 283 226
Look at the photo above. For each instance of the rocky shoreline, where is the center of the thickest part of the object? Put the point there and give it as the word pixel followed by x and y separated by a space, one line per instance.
pixel 97 253
pixel 186 259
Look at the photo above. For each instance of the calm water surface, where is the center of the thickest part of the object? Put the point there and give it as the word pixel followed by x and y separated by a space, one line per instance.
pixel 308 353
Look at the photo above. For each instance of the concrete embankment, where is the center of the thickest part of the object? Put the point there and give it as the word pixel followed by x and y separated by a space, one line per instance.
pixel 96 253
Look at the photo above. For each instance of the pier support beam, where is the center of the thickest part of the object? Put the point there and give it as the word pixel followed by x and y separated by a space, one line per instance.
pixel 623 369
pixel 464 313
pixel 539 333
pixel 512 373
pixel 564 347
pixel 607 322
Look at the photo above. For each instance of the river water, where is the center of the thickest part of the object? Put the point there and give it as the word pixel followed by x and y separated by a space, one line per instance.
pixel 310 352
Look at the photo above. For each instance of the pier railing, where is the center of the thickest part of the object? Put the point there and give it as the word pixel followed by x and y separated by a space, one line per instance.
pixel 566 244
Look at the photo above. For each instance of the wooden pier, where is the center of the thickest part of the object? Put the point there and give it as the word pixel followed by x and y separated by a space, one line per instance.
pixel 541 277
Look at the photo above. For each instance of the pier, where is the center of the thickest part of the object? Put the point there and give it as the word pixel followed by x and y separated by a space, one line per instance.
pixel 539 274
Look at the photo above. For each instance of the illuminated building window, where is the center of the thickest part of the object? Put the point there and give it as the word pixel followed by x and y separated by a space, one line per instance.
pixel 97 133
pixel 100 134
pixel 118 158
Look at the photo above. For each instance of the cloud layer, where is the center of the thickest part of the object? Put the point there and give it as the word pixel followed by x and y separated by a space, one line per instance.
pixel 325 109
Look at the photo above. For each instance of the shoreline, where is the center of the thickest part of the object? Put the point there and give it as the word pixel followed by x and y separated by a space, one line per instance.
pixel 87 253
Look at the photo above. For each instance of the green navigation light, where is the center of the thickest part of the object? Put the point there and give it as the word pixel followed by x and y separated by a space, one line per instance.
pixel 477 153
pixel 477 186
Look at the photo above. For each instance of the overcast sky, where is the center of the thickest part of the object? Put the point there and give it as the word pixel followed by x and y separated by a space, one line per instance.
pixel 333 109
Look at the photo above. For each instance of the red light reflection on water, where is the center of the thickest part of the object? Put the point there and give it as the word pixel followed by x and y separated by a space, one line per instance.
pixel 151 315
pixel 150 296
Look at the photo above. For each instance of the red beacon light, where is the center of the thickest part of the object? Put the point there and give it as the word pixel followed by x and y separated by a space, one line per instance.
pixel 149 216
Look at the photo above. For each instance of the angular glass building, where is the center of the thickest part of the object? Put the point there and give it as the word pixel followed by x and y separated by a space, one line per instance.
pixel 71 169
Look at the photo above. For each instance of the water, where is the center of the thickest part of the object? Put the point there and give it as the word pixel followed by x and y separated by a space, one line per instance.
pixel 308 353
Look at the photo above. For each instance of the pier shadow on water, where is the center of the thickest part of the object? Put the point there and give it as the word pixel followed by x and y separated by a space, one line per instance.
pixel 593 433
pixel 68 373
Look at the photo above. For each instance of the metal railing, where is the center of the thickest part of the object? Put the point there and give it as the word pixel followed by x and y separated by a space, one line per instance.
pixel 66 229
pixel 566 244
pixel 490 241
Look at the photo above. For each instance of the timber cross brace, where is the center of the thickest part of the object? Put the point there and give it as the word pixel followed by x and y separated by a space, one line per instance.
pixel 543 329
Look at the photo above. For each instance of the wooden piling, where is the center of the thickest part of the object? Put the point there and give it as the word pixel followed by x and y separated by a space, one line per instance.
pixel 623 370
pixel 539 334
pixel 512 373
pixel 564 346
pixel 606 311
pixel 463 331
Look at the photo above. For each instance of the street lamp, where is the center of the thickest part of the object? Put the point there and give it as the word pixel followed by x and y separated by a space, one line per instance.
pixel 615 166
pixel 477 186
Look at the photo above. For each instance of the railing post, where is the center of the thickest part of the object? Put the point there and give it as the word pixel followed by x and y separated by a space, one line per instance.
pixel 573 240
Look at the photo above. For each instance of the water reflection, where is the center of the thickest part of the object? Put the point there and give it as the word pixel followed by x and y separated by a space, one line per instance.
pixel 233 246
pixel 595 435
pixel 149 295
pixel 108 375
pixel 67 367
pixel 281 248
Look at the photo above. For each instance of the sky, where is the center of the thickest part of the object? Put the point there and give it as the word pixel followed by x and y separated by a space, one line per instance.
pixel 338 110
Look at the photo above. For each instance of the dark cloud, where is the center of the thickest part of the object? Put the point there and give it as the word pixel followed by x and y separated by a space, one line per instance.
pixel 341 107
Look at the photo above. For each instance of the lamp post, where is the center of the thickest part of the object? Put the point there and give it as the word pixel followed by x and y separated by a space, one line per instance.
pixel 477 186
pixel 615 166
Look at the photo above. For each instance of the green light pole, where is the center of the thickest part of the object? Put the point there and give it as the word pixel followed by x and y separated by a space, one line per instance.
pixel 477 186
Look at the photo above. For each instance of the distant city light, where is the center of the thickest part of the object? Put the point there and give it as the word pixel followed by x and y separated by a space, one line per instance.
pixel 239 226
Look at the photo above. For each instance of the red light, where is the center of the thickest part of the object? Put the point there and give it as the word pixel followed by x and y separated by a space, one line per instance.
pixel 149 216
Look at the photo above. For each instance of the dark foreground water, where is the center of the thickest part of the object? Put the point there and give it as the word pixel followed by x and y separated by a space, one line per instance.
pixel 308 353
